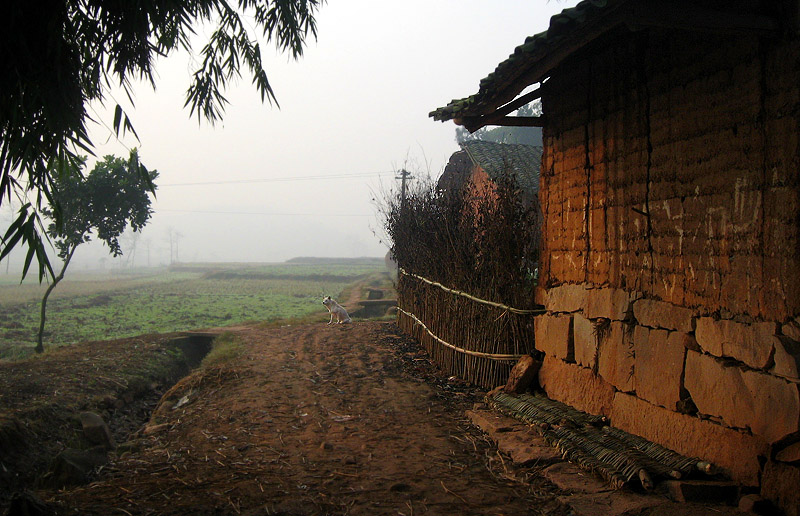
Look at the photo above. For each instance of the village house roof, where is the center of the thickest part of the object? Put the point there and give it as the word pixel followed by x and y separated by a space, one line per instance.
pixel 573 29
pixel 456 172
pixel 497 159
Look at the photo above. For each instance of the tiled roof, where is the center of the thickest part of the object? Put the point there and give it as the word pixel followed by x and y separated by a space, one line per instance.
pixel 526 59
pixel 575 28
pixel 498 158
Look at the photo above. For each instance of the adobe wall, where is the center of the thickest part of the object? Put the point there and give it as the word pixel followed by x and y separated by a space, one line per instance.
pixel 670 263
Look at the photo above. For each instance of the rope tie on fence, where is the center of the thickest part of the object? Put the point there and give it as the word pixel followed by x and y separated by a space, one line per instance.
pixel 511 309
pixel 490 356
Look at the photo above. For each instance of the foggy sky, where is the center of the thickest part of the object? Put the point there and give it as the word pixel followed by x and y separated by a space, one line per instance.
pixel 356 104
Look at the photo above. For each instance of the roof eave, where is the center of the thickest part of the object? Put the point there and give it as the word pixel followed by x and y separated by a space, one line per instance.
pixel 499 90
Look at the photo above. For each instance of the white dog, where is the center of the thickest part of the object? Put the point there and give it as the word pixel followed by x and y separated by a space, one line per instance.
pixel 336 309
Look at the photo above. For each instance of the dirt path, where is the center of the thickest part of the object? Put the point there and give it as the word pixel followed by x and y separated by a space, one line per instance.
pixel 314 419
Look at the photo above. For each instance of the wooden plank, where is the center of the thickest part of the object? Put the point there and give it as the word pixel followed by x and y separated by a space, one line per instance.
pixel 500 113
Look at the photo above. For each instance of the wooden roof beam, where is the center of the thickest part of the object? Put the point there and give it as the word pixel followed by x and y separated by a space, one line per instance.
pixel 500 114
pixel 472 124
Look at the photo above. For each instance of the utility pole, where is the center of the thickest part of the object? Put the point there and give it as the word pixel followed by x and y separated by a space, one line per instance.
pixel 404 174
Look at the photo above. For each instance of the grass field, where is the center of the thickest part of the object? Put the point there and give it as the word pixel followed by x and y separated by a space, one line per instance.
pixel 107 306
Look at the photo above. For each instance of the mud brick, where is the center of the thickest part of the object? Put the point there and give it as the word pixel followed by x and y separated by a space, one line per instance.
pixel 734 452
pixel 553 336
pixel 597 229
pixel 782 274
pixel 585 341
pixel 658 314
pixel 576 386
pixel 598 267
pixel 669 286
pixel 573 266
pixel 743 398
pixel 659 366
pixel 615 360
pixel 748 343
pixel 739 292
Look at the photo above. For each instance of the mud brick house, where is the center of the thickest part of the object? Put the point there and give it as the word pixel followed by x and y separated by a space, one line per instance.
pixel 669 189
pixel 480 164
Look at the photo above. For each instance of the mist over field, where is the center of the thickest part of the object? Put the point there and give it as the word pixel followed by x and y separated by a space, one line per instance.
pixel 118 303
pixel 269 183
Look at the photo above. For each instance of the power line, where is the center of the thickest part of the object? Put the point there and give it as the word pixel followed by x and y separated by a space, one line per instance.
pixel 318 214
pixel 282 179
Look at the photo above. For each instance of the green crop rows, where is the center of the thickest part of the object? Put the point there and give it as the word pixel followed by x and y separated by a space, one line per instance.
pixel 85 307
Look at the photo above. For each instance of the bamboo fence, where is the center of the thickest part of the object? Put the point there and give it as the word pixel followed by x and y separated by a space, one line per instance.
pixel 473 339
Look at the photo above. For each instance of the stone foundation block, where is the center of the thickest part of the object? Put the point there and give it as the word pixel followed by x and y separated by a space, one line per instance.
pixel 609 303
pixel 789 454
pixel 522 375
pixel 781 484
pixel 734 452
pixel 615 360
pixel 527 448
pixel 678 338
pixel 702 491
pixel 569 477
pixel 612 503
pixel 751 344
pixel 566 298
pixel 786 358
pixel 659 366
pixel 658 314
pixel 493 423
pixel 768 405
pixel 791 330
pixel 754 503
pixel 585 340
pixel 576 386
pixel 518 440
pixel 553 335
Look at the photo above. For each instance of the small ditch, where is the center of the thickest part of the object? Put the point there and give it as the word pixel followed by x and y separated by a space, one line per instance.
pixel 33 442
pixel 131 409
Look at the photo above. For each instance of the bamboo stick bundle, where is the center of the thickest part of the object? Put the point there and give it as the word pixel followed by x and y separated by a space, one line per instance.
pixel 653 466
pixel 532 414
pixel 579 447
pixel 673 460
pixel 573 452
pixel 577 417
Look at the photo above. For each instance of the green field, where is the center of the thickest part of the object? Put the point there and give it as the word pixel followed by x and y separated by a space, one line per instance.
pixel 109 305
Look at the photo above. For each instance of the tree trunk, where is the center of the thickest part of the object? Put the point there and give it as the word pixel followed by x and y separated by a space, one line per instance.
pixel 39 341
